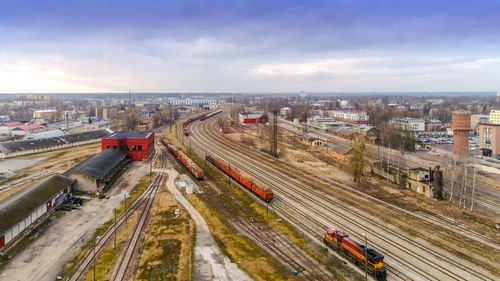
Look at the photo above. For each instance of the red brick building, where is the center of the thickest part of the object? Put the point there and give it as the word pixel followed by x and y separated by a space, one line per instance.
pixel 138 144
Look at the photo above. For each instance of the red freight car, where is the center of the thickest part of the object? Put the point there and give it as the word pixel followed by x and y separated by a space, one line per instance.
pixel 203 116
pixel 184 159
pixel 260 189
pixel 357 252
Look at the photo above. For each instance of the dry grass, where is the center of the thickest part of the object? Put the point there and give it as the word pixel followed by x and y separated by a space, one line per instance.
pixel 169 243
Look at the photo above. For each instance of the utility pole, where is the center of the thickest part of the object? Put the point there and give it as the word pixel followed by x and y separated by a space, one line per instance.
pixel 229 175
pixel 274 135
pixel 114 242
pixel 125 212
pixel 366 257
pixel 473 186
pixel 171 119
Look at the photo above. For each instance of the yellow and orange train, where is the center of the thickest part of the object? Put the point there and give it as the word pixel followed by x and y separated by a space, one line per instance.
pixel 358 253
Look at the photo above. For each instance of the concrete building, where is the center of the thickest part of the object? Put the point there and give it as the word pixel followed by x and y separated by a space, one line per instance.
pixel 27 129
pixel 412 125
pixel 6 128
pixel 96 171
pixel 460 123
pixel 188 102
pixel 495 116
pixel 251 117
pixel 47 114
pixel 139 145
pixel 21 211
pixel 428 182
pixel 285 111
pixel 489 139
pixel 476 119
pixel 312 141
pixel 349 116
pixel 433 125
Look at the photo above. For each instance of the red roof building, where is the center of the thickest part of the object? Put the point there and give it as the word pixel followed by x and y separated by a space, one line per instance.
pixel 139 145
pixel 13 124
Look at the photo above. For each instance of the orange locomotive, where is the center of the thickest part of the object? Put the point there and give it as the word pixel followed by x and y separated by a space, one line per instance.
pixel 260 189
pixel 185 160
pixel 357 252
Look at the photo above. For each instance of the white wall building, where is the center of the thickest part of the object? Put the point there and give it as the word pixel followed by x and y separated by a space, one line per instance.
pixel 353 117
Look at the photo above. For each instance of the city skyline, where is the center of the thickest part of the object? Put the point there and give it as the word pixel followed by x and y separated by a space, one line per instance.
pixel 243 46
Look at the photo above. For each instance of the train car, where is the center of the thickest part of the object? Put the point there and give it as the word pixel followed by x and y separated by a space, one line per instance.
pixel 211 114
pixel 184 159
pixel 261 190
pixel 358 253
pixel 185 124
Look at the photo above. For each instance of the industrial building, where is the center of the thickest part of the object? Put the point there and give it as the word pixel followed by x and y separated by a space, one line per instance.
pixel 96 171
pixel 251 117
pixel 47 114
pixel 21 211
pixel 341 152
pixel 139 145
pixel 24 147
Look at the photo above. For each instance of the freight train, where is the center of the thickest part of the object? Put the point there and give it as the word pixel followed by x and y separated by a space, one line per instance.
pixel 185 160
pixel 203 116
pixel 261 190
pixel 342 243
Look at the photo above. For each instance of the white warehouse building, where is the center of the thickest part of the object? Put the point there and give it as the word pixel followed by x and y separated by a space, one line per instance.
pixel 19 212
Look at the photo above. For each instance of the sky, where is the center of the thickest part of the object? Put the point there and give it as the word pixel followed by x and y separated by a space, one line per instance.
pixel 67 46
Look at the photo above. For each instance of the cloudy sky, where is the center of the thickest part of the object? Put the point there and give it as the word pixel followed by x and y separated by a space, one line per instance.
pixel 249 46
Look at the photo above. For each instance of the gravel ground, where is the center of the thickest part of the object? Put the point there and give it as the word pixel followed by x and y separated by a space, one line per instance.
pixel 45 258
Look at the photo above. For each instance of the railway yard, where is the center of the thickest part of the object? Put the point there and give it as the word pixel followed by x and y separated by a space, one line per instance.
pixel 251 217
pixel 415 245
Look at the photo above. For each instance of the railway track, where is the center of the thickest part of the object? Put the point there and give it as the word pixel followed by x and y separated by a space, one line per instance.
pixel 144 202
pixel 414 269
pixel 278 245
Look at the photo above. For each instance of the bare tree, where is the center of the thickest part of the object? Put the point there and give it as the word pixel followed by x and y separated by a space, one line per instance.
pixel 357 159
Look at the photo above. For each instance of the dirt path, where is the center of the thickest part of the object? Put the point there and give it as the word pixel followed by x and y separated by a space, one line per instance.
pixel 210 262
pixel 46 257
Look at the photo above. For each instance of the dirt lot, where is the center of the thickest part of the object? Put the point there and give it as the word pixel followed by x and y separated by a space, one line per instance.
pixel 45 258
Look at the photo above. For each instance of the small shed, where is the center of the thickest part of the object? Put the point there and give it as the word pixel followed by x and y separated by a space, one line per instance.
pixel 96 171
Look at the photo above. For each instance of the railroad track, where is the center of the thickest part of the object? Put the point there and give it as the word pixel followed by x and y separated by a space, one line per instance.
pixel 278 245
pixel 253 167
pixel 145 201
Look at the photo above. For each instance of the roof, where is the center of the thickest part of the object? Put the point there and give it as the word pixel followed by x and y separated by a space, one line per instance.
pixel 20 205
pixel 344 131
pixel 30 127
pixel 23 145
pixel 44 135
pixel 45 110
pixel 13 124
pixel 130 135
pixel 341 148
pixel 99 165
